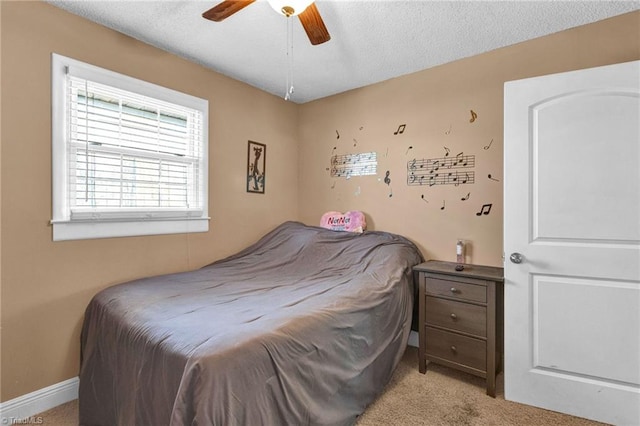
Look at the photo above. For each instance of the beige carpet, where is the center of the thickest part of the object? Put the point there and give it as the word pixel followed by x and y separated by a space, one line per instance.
pixel 444 396
pixel 440 397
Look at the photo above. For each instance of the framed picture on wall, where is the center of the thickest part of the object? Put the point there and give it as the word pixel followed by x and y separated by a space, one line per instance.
pixel 256 163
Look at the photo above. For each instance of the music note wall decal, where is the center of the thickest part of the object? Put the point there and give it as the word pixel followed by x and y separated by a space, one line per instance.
pixel 488 146
pixel 473 116
pixel 337 137
pixel 443 204
pixel 492 178
pixel 466 197
pixel 400 129
pixel 446 151
pixel 482 210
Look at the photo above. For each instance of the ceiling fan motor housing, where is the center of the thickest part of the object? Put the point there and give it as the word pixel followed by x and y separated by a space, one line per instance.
pixel 288 11
pixel 290 7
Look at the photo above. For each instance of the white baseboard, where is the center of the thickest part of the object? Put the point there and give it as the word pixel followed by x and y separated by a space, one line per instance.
pixel 413 339
pixel 44 399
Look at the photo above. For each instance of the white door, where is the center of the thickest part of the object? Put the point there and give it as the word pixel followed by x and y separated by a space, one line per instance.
pixel 572 210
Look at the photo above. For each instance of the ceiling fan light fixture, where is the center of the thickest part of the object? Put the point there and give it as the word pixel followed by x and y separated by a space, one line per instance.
pixel 289 7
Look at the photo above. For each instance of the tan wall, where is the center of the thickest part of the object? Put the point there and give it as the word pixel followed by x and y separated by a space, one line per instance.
pixel 430 103
pixel 46 285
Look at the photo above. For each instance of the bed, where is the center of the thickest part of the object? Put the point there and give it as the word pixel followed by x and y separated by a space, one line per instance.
pixel 303 327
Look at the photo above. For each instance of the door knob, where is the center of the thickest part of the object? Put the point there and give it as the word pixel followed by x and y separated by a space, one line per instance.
pixel 516 257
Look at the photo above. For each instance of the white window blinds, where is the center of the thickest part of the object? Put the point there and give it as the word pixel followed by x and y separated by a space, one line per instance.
pixel 125 152
pixel 130 154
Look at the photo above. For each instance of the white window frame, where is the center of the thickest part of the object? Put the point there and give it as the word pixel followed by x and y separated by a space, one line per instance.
pixel 127 222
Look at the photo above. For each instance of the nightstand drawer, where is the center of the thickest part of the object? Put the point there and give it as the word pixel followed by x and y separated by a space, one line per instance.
pixel 455 289
pixel 456 348
pixel 459 316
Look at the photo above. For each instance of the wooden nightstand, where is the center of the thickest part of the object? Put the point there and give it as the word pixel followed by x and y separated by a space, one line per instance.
pixel 460 318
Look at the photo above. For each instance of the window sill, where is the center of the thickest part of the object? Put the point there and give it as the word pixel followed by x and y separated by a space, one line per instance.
pixel 84 230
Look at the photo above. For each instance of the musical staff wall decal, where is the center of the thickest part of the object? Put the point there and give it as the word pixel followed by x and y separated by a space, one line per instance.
pixel 349 165
pixel 442 171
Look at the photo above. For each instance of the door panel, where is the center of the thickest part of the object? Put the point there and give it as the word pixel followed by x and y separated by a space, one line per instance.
pixel 557 327
pixel 565 207
pixel 572 209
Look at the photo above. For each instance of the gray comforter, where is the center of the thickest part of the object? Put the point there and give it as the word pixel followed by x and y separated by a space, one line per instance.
pixel 303 327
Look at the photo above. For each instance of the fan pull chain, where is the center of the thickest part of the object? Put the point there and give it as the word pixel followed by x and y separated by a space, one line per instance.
pixel 289 87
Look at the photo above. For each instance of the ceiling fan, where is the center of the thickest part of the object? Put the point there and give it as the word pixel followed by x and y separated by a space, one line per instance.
pixel 306 10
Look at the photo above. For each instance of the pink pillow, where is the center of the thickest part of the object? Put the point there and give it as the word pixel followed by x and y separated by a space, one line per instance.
pixel 352 221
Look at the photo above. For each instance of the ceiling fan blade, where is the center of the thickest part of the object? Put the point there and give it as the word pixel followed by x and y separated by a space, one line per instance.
pixel 313 25
pixel 225 9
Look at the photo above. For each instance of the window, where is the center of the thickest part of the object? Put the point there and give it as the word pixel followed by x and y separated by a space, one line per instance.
pixel 129 157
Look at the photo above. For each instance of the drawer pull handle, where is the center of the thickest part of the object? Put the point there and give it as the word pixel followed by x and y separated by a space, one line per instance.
pixel 454 290
pixel 454 349
pixel 454 317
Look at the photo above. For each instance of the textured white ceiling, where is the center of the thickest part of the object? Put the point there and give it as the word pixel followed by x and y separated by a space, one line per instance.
pixel 371 41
